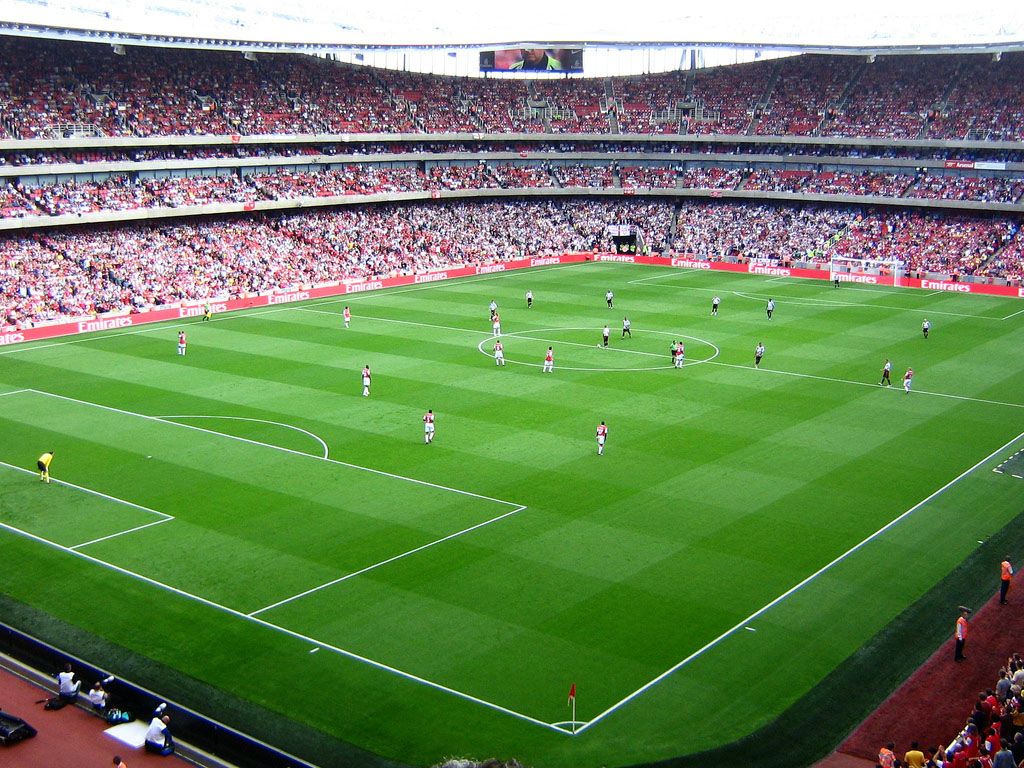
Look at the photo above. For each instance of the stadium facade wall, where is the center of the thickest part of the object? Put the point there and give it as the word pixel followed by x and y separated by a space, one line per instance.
pixel 192 309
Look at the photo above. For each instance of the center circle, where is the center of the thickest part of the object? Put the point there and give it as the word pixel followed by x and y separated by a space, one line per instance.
pixel 533 335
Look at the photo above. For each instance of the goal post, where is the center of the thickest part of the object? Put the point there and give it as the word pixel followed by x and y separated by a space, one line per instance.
pixel 847 269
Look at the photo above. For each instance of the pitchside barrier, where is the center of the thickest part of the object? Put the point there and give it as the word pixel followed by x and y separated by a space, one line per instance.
pixel 197 737
pixel 190 309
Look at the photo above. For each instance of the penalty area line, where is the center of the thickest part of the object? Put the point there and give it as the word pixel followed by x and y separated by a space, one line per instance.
pixel 280 448
pixel 285 631
pixel 373 567
pixel 746 621
pixel 164 517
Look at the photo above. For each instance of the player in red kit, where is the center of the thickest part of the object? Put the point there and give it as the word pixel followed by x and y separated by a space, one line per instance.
pixel 347 314
pixel 680 355
pixel 182 343
pixel 549 361
pixel 366 381
pixel 499 353
pixel 428 427
pixel 602 436
pixel 908 380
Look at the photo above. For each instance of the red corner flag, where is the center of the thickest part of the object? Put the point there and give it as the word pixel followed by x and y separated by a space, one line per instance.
pixel 572 693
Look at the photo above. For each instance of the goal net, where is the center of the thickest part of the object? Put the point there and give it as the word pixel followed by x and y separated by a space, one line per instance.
pixel 846 269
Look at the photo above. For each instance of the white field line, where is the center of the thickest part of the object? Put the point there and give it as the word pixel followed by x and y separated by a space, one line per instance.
pixel 83 489
pixel 1018 312
pixel 521 335
pixel 276 448
pixel 13 392
pixel 807 300
pixel 368 568
pixel 513 334
pixel 760 611
pixel 164 517
pixel 865 384
pixel 244 313
pixel 810 301
pixel 284 630
pixel 259 421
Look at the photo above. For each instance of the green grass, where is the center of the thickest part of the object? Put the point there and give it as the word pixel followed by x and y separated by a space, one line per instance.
pixel 456 590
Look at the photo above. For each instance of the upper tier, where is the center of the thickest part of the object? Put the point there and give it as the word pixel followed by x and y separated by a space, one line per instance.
pixel 50 89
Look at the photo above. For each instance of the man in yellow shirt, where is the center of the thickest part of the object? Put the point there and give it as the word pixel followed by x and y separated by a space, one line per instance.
pixel 914 757
pixel 44 466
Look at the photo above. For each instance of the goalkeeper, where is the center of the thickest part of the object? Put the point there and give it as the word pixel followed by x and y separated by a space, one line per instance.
pixel 43 463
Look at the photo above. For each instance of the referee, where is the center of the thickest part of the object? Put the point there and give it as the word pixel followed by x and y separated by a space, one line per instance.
pixel 43 463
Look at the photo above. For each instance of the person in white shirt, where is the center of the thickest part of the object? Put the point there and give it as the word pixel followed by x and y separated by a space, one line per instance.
pixel 609 297
pixel 925 327
pixel 769 308
pixel 758 354
pixel 98 697
pixel 605 333
pixel 158 735
pixel 714 306
pixel 626 328
pixel 529 299
pixel 68 685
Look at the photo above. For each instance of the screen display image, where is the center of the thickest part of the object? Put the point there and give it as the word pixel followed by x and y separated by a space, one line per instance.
pixel 532 60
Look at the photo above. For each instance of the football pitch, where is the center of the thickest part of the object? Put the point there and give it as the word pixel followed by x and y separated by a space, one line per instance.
pixel 242 516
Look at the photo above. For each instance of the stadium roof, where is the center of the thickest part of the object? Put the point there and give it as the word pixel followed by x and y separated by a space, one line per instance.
pixel 795 24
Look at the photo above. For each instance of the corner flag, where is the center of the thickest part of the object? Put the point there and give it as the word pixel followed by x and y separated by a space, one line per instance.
pixel 572 693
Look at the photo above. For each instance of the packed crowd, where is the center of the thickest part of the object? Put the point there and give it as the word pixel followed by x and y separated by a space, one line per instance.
pixel 931 242
pixel 647 176
pixel 53 88
pixel 48 275
pixel 121 192
pixel 764 232
pixel 995 725
pixel 987 189
pixel 24 157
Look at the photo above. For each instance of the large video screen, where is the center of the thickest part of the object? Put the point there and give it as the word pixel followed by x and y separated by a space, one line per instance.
pixel 532 60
